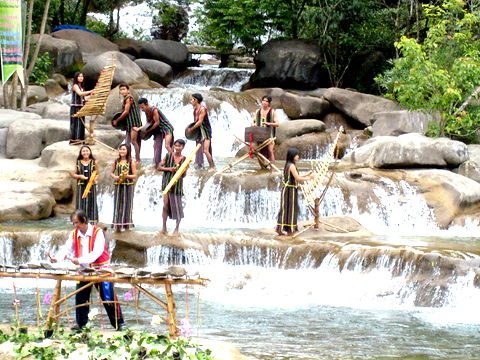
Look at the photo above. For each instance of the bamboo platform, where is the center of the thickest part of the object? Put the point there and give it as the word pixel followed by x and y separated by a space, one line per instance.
pixel 136 278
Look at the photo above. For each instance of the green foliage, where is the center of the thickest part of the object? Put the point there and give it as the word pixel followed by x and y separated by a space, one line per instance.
pixel 440 73
pixel 103 29
pixel 172 20
pixel 42 69
pixel 127 345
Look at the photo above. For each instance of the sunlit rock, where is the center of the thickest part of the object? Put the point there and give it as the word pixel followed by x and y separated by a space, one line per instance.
pixel 394 123
pixel 290 129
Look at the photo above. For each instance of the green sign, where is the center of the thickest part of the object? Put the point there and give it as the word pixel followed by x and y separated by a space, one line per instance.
pixel 11 39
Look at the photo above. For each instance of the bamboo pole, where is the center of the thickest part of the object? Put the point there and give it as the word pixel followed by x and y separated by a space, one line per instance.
pixel 301 232
pixel 172 311
pixel 152 297
pixel 181 170
pixel 258 148
pixel 256 152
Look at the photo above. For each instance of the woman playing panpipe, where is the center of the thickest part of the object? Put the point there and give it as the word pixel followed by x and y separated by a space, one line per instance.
pixel 77 126
pixel 85 169
pixel 123 171
pixel 287 216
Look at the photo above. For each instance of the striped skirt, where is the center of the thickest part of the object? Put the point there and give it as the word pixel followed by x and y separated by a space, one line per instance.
pixel 175 206
pixel 122 207
pixel 77 129
pixel 287 216
pixel 89 204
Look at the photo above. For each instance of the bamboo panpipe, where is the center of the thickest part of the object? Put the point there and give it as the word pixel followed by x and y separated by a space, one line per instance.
pixel 89 184
pixel 181 170
pixel 123 176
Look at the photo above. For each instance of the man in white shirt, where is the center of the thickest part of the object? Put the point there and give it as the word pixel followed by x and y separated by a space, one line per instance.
pixel 86 246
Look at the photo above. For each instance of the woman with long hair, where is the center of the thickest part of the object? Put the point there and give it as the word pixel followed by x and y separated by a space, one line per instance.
pixel 287 216
pixel 123 172
pixel 77 126
pixel 83 172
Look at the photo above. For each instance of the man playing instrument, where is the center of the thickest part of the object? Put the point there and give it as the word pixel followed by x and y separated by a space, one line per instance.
pixel 161 129
pixel 172 201
pixel 266 117
pixel 132 115
pixel 86 246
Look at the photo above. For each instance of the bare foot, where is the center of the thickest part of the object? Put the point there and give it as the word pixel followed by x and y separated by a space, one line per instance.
pixel 211 170
pixel 279 232
pixel 163 232
pixel 138 161
pixel 176 233
pixel 290 233
pixel 153 167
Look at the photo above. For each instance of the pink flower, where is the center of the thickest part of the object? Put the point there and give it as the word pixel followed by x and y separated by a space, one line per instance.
pixel 128 296
pixel 47 299
pixel 17 301
pixel 186 328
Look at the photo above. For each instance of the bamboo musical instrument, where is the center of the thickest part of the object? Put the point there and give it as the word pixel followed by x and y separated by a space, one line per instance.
pixel 89 184
pixel 123 176
pixel 181 170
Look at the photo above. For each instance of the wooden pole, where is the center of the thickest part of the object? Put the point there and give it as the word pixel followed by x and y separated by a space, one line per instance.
pixel 256 151
pixel 53 305
pixel 317 212
pixel 152 297
pixel 172 311
pixel 259 147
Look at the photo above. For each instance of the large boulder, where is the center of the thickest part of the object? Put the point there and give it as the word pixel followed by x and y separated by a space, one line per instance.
pixel 170 52
pixel 126 71
pixel 289 64
pixel 469 169
pixel 311 145
pixel 409 150
pixel 130 46
pixel 394 123
pixel 25 201
pixel 156 70
pixel 88 42
pixel 51 110
pixel 26 139
pixel 290 129
pixel 358 106
pixel 474 152
pixel 65 54
pixel 304 107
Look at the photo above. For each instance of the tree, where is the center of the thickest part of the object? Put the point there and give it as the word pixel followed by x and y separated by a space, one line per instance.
pixel 172 21
pixel 439 74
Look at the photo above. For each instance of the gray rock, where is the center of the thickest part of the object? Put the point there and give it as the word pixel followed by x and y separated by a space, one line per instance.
pixel 7 116
pixel 3 142
pixel 170 52
pixel 53 88
pixel 311 145
pixel 304 107
pixel 88 42
pixel 26 139
pixel 290 129
pixel 290 64
pixel 126 71
pixel 130 46
pixel 409 150
pixel 469 169
pixel 51 110
pixel 25 201
pixel 35 94
pixel 156 70
pixel 62 80
pixel 65 54
pixel 358 106
pixel 394 123
pixel 474 152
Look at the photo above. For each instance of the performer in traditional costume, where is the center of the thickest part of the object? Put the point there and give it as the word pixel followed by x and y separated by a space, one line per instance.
pixel 172 201
pixel 132 114
pixel 287 216
pixel 200 117
pixel 266 117
pixel 123 171
pixel 77 124
pixel 83 172
pixel 86 246
pixel 161 129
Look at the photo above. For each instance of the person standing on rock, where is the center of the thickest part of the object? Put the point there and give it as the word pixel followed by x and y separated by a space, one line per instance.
pixel 77 124
pixel 201 120
pixel 123 171
pixel 83 172
pixel 87 246
pixel 287 216
pixel 266 117
pixel 172 201
pixel 132 114
pixel 161 129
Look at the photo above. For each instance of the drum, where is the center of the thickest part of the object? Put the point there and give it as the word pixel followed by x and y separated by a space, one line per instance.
pixel 195 134
pixel 143 133
pixel 122 125
pixel 259 134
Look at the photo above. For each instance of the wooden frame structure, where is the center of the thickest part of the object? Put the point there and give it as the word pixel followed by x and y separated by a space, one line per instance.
pixel 97 103
pixel 57 300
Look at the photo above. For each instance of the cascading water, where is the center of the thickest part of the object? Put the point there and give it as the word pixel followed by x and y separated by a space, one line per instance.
pixel 401 294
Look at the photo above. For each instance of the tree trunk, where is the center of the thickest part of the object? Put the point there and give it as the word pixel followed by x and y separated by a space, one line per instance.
pixel 24 90
pixel 83 17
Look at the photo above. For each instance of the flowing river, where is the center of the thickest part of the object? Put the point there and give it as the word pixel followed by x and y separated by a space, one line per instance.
pixel 409 292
